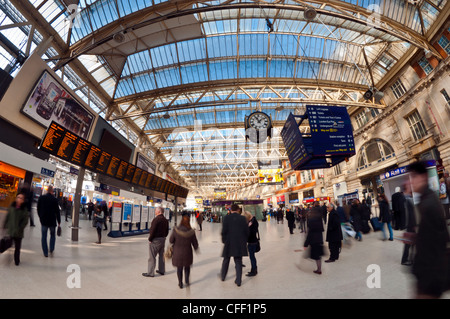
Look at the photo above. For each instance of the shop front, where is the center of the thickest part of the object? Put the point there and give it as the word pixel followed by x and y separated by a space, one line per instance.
pixel 10 177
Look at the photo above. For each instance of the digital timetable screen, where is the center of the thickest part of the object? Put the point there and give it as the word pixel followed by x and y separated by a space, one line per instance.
pixel 70 147
pixel 53 139
pixel 67 146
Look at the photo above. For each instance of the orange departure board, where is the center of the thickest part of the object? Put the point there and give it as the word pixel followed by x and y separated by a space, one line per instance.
pixel 67 146
pixel 103 162
pixel 130 172
pixel 113 166
pixel 148 181
pixel 122 170
pixel 143 178
pixel 53 138
pixel 80 152
pixel 137 176
pixel 92 157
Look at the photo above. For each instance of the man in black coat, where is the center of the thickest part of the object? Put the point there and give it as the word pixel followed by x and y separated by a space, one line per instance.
pixel 291 220
pixel 49 215
pixel 430 264
pixel 334 233
pixel 398 208
pixel 235 233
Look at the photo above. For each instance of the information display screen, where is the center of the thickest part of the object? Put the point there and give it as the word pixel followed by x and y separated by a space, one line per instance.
pixel 93 157
pixel 130 172
pixel 80 153
pixel 154 182
pixel 148 181
pixel 53 138
pixel 67 146
pixel 166 187
pixel 113 166
pixel 293 142
pixel 137 176
pixel 122 170
pixel 159 184
pixel 103 162
pixel 143 178
pixel 331 130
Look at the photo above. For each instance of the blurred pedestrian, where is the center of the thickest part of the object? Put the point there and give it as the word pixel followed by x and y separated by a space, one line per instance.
pixel 410 222
pixel 49 216
pixel 16 221
pixel 443 196
pixel 199 218
pixel 183 239
pixel 334 233
pixel 385 216
pixel 159 230
pixel 355 213
pixel 365 217
pixel 314 237
pixel 429 265
pixel 252 243
pixel 291 220
pixel 398 209
pixel 99 219
pixel 235 232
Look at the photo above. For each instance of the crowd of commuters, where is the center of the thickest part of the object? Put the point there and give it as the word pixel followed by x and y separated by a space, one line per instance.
pixel 425 226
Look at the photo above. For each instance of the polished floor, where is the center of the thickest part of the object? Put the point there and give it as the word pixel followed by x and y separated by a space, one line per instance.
pixel 114 269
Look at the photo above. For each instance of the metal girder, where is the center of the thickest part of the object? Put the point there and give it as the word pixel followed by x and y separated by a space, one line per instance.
pixel 348 12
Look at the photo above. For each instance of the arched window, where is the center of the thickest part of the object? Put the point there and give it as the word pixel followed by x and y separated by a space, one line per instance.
pixel 373 152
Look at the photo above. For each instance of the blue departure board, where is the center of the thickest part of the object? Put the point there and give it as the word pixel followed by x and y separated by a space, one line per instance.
pixel 293 142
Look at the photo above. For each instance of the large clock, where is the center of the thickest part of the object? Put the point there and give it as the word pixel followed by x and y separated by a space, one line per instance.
pixel 258 126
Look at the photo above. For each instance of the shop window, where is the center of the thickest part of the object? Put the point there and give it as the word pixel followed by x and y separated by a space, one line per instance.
pixel 398 89
pixel 416 126
pixel 425 65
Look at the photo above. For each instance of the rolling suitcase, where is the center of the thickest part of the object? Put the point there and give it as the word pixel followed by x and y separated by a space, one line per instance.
pixel 376 225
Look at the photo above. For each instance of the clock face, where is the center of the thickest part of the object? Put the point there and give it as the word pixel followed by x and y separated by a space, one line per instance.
pixel 259 120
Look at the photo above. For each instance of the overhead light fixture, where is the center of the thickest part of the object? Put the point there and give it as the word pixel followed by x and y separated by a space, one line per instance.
pixel 166 116
pixel 310 14
pixel 119 37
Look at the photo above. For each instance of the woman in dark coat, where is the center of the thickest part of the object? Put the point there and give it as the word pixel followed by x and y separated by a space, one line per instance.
pixel 314 237
pixel 365 217
pixel 355 213
pixel 334 233
pixel 182 238
pixel 16 221
pixel 385 216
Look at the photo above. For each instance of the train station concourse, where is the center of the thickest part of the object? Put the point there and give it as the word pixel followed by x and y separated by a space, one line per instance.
pixel 143 143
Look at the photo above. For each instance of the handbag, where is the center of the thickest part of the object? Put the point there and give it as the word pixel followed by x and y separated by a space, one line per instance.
pixel 258 244
pixel 58 231
pixel 5 244
pixel 169 252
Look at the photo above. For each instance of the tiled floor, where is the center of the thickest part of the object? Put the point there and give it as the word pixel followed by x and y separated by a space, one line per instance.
pixel 114 269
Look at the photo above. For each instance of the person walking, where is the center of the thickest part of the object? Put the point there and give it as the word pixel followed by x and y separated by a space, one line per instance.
pixel 15 222
pixel 199 218
pixel 252 243
pixel 235 232
pixel 365 217
pixel 385 216
pixel 91 209
pixel 183 239
pixel 314 238
pixel 355 214
pixel 398 209
pixel 64 207
pixel 49 216
pixel 443 196
pixel 429 266
pixel 334 233
pixel 99 219
pixel 159 229
pixel 291 220
pixel 410 223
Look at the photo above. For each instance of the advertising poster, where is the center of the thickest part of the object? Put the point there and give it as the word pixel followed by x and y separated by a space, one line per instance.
pixel 270 173
pixel 144 214
pixel 116 212
pixel 136 213
pixel 220 193
pixel 151 214
pixel 127 212
pixel 49 101
pixel 145 164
